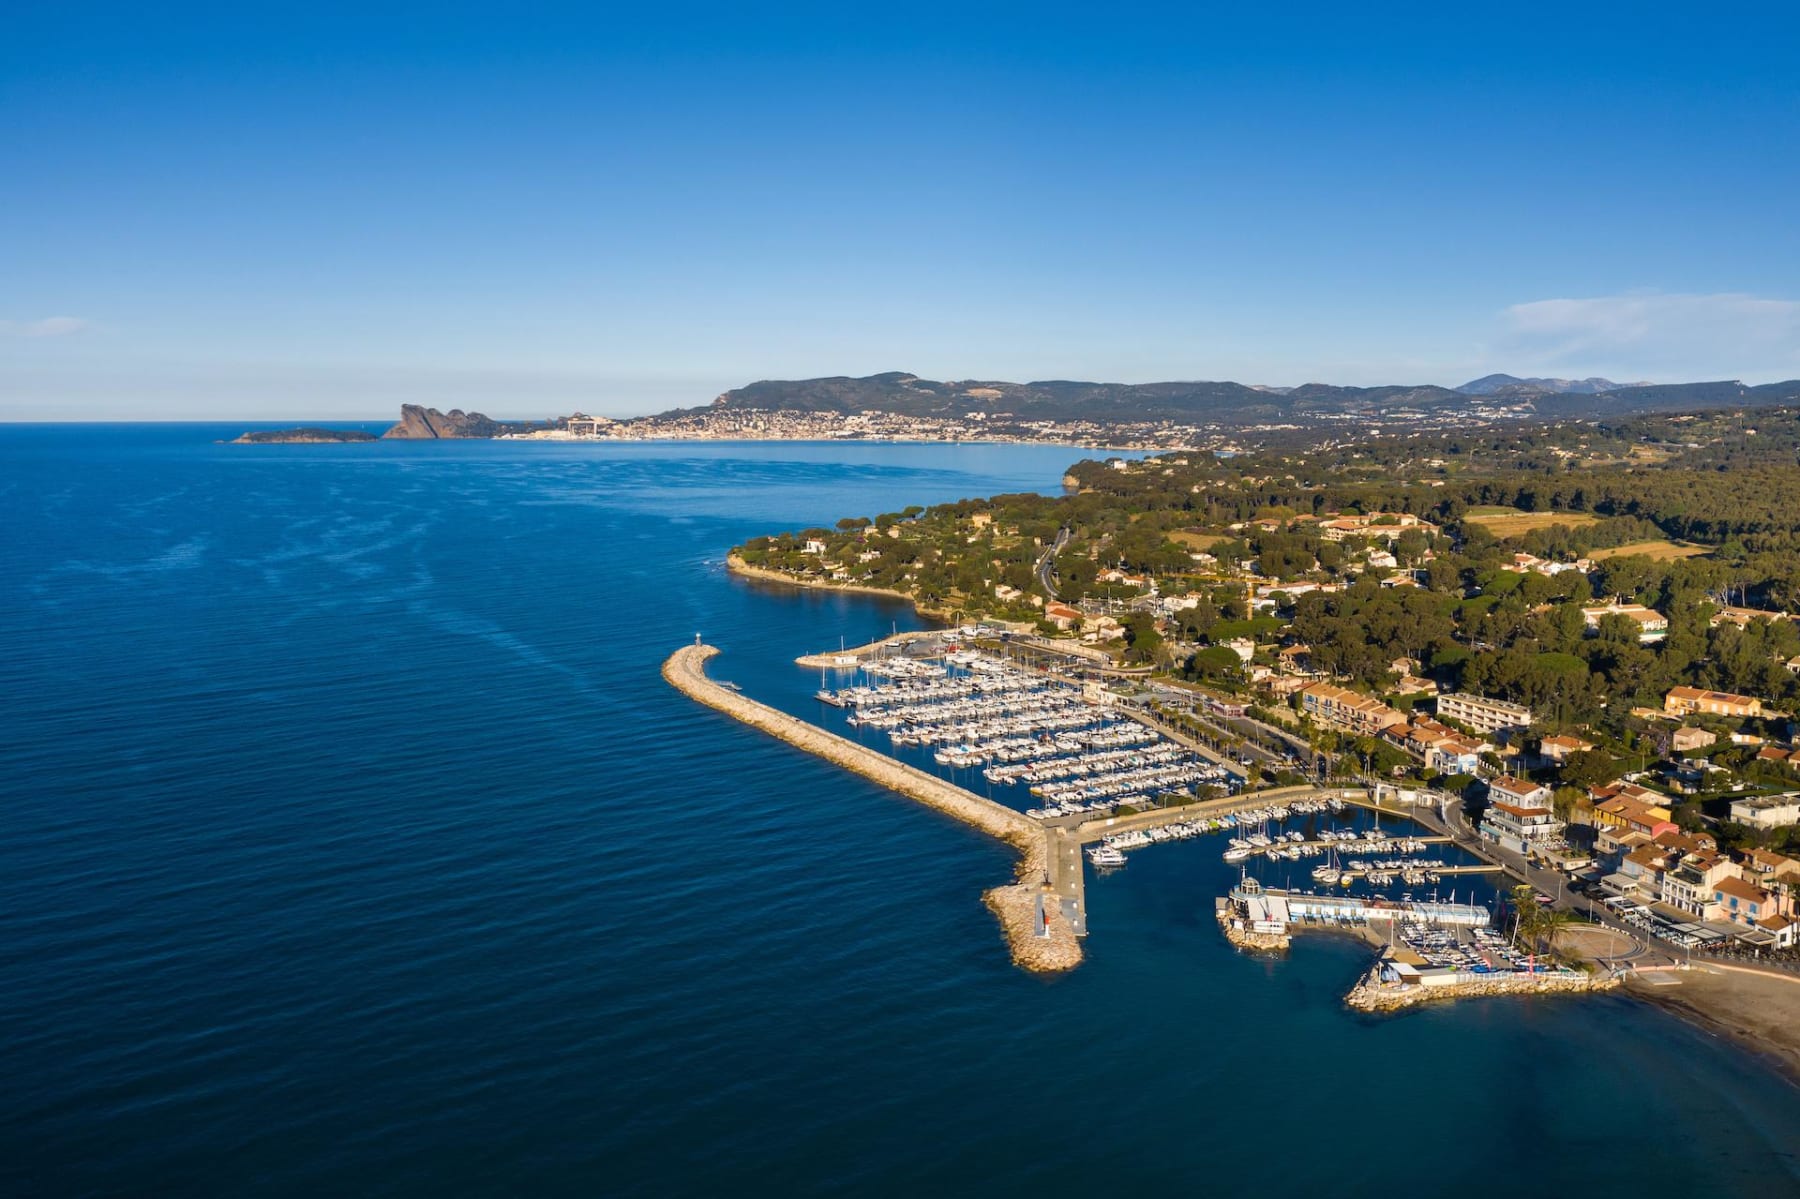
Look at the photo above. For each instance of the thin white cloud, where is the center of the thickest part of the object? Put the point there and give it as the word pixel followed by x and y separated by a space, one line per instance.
pixel 49 326
pixel 1670 336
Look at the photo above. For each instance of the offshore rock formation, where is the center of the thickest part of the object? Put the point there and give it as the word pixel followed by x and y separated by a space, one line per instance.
pixel 303 436
pixel 1046 947
pixel 419 423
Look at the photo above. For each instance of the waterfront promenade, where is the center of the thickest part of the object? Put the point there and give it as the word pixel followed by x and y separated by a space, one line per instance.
pixel 1038 932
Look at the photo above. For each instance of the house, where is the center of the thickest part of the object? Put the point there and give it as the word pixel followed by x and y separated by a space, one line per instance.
pixel 1630 808
pixel 1521 816
pixel 1243 647
pixel 1456 755
pixel 1386 525
pixel 1412 684
pixel 1062 616
pixel 1769 868
pixel 1687 738
pixel 1652 625
pixel 1530 563
pixel 1101 628
pixel 1767 811
pixel 1294 659
pixel 1341 708
pixel 1741 617
pixel 1742 902
pixel 1691 885
pixel 1783 931
pixel 1558 748
pixel 814 546
pixel 1691 701
pixel 1482 714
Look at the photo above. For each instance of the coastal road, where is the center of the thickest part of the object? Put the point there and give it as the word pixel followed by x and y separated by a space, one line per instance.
pixel 1552 883
pixel 1046 563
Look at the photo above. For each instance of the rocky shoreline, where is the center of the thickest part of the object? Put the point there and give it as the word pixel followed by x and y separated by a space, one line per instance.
pixel 1049 949
pixel 738 566
pixel 1255 942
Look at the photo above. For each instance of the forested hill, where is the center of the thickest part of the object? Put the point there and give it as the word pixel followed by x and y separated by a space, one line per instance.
pixel 1223 403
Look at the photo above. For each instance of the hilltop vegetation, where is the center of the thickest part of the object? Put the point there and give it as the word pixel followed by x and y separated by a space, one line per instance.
pixel 1172 557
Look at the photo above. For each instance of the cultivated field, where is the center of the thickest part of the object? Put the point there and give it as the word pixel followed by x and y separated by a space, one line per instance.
pixel 1510 522
pixel 1660 551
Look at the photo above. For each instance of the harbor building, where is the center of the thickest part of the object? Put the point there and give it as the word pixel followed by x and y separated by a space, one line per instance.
pixel 1276 911
pixel 1482 714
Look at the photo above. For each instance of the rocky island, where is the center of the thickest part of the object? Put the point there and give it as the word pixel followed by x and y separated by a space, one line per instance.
pixel 301 436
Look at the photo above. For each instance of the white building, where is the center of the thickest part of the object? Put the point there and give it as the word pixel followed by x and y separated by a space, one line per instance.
pixel 1482 714
pixel 1767 811
pixel 1521 816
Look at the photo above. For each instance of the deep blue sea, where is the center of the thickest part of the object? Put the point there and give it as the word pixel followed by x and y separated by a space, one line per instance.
pixel 351 844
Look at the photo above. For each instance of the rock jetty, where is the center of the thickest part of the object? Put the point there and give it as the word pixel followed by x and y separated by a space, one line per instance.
pixel 1046 946
pixel 1373 995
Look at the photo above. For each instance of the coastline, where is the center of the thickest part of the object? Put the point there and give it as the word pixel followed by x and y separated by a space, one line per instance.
pixel 738 566
pixel 1015 905
pixel 1756 1012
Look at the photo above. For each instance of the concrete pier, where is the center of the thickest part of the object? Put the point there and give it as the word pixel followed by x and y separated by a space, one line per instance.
pixel 1046 943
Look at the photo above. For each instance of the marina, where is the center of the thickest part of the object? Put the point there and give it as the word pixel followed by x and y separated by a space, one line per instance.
pixel 1056 749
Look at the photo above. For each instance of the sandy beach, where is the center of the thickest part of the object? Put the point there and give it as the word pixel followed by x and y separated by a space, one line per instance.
pixel 1759 1011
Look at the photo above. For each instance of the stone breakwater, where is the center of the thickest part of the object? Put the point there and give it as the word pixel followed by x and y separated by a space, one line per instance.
pixel 1373 995
pixel 1015 905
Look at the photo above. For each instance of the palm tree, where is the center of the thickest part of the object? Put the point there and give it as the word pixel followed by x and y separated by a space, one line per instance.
pixel 1526 914
pixel 1551 923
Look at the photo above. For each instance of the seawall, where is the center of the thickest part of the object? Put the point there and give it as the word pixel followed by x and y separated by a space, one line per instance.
pixel 1016 905
pixel 1373 995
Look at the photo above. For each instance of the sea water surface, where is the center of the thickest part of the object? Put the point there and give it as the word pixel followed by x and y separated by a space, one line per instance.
pixel 350 843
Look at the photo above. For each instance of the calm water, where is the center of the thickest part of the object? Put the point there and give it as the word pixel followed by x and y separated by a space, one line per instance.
pixel 352 844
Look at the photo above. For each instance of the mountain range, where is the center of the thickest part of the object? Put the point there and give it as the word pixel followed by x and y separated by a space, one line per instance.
pixel 1494 385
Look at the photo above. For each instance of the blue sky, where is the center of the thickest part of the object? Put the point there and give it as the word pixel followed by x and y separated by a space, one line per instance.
pixel 245 212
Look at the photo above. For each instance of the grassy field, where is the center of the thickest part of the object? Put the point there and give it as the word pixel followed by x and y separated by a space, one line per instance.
pixel 1661 551
pixel 1196 541
pixel 1510 522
